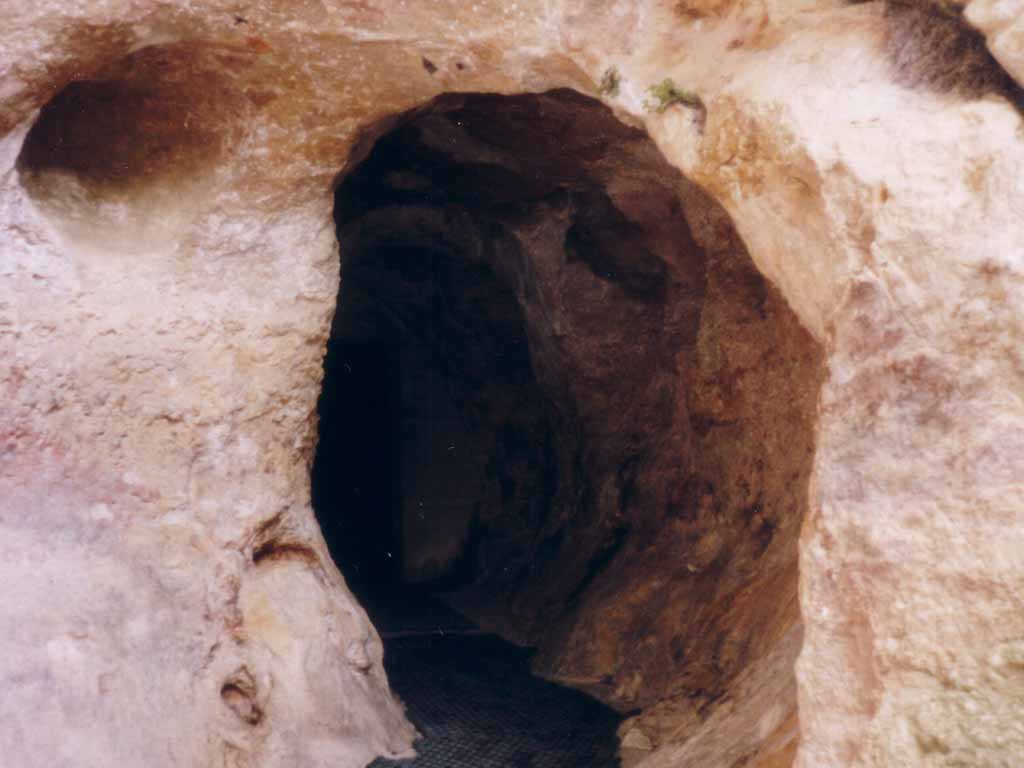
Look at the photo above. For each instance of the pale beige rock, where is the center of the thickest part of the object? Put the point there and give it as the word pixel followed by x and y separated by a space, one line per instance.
pixel 890 219
pixel 168 600
pixel 1002 23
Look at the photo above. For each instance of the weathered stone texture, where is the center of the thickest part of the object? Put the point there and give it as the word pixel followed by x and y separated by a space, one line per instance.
pixel 167 280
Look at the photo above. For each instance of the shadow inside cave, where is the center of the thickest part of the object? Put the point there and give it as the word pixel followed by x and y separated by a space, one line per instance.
pixel 562 408
pixel 469 694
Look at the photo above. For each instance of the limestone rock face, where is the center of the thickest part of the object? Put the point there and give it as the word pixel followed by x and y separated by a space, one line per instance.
pixel 168 274
pixel 1003 26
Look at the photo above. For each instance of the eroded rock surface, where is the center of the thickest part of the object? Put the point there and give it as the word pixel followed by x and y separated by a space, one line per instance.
pixel 169 271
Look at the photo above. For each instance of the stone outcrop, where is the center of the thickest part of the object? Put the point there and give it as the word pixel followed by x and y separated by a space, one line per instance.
pixel 168 275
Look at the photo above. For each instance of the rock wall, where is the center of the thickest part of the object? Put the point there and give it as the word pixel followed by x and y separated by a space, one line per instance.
pixel 169 272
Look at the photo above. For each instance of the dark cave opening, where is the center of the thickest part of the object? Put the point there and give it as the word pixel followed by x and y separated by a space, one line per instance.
pixel 562 407
pixel 357 467
pixel 428 396
pixel 436 465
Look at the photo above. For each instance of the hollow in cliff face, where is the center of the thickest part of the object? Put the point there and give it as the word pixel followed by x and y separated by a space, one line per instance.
pixel 559 392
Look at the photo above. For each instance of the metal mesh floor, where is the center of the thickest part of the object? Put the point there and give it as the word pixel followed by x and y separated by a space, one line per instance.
pixel 474 702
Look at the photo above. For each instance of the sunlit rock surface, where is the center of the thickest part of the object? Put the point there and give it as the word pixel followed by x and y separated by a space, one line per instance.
pixel 168 275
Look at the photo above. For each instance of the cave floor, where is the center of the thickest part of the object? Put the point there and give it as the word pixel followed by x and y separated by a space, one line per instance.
pixel 475 704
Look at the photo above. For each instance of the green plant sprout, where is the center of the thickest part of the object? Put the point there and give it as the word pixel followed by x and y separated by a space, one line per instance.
pixel 666 93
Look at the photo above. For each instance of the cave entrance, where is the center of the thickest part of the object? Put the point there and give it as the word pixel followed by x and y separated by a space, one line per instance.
pixel 562 407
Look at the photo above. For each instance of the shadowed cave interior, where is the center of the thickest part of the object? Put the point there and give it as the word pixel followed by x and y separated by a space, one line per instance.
pixel 561 408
